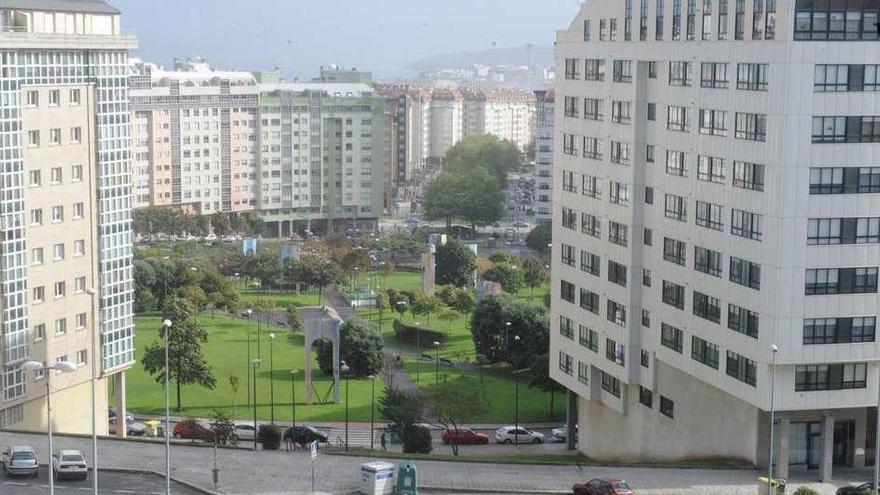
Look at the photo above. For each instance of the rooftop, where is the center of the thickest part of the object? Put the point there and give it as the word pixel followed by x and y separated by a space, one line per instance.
pixel 84 6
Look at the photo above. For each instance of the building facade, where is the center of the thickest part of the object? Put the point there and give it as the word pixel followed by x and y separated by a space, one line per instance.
pixel 67 253
pixel 715 195
pixel 507 114
pixel 544 115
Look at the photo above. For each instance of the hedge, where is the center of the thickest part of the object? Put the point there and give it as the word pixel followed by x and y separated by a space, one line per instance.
pixel 427 337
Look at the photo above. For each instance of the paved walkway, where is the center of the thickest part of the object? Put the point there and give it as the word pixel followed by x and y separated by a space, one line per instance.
pixel 264 472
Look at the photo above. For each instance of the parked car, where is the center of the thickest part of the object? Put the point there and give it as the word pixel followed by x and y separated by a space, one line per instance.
pixel 20 460
pixel 512 434
pixel 863 489
pixel 303 434
pixel 561 434
pixel 193 430
pixel 69 464
pixel 603 486
pixel 243 431
pixel 129 417
pixel 211 237
pixel 464 436
pixel 134 428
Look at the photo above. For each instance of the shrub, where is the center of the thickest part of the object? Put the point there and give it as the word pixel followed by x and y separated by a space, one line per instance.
pixel 427 336
pixel 805 491
pixel 223 428
pixel 416 440
pixel 269 436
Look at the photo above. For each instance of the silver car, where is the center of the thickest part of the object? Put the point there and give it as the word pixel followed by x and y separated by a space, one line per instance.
pixel 20 460
pixel 69 464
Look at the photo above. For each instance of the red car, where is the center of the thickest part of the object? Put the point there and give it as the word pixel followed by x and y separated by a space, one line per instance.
pixel 192 429
pixel 603 486
pixel 464 436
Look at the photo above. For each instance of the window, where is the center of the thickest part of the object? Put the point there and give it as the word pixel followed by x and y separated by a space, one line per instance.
pixel 676 20
pixel 57 214
pixel 618 233
pixel 571 106
pixel 645 359
pixel 839 330
pixel 751 126
pixel 593 109
pixel 675 163
pixel 677 118
pixel 37 216
pixel 667 407
pixel 619 193
pixel 652 66
pixel 80 321
pixel 745 273
pixel 847 180
pixel 616 313
pixel 594 69
pixel 853 129
pixel 830 78
pixel 55 175
pixel 707 307
pixel 620 153
pixel 589 300
pixel 583 373
pixel 676 207
pixel 572 69
pixel 704 352
pixel 646 397
pixel 566 363
pixel 830 377
pixel 646 318
pixel 61 327
pixel 841 281
pixel 709 216
pixel 34 178
pixel 74 97
pixel 707 261
pixel 54 137
pixel 745 224
pixel 33 98
pixel 622 71
pixel 714 75
pixel 39 332
pixel 79 284
pixel 673 294
pixel 78 210
pixel 647 237
pixel 37 256
pixel 591 225
pixel 679 73
pixel 75 135
pixel 58 251
pixel 586 30
pixel 81 357
pixel 54 97
pixel 829 130
pixel 616 273
pixel 748 176
pixel 60 289
pixel 588 338
pixel 569 218
pixel 39 294
pixel 611 384
pixel 742 320
pixel 620 112
pixel 649 195
pixel 722 19
pixel 742 368
pixel 591 186
pixel 593 148
pixel 712 122
pixel 652 111
pixel 612 31
pixel 751 77
pixel 33 139
pixel 707 20
pixel 674 251
pixel 824 231
pixel 569 146
pixel 568 184
pixel 567 254
pixel 815 22
pixel 671 337
pixel 615 352
pixel 691 19
pixel 567 291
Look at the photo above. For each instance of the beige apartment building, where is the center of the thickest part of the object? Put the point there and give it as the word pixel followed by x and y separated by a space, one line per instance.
pixel 506 113
pixel 66 235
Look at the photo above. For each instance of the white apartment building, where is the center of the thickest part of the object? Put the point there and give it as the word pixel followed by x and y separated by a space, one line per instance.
pixel 445 122
pixel 716 183
pixel 66 202
pixel 544 119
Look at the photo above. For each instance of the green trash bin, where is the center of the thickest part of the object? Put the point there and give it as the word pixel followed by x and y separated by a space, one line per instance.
pixel 407 479
pixel 774 487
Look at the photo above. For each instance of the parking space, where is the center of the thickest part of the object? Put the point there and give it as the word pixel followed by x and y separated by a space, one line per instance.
pixel 114 483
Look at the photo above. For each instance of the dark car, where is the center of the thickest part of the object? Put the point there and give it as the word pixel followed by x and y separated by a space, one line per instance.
pixel 863 489
pixel 464 436
pixel 303 434
pixel 603 486
pixel 193 430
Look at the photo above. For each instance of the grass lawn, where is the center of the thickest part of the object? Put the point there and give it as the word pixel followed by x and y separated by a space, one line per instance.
pixel 401 280
pixel 226 351
pixel 281 299
pixel 459 345
pixel 499 394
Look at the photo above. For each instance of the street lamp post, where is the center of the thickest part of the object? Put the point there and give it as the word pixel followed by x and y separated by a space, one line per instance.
pixel 418 350
pixel 516 399
pixel 254 363
pixel 436 363
pixel 250 313
pixel 95 356
pixel 507 326
pixel 372 407
pixel 345 369
pixel 167 324
pixel 293 395
pixel 63 367
pixel 401 308
pixel 271 378
pixel 775 350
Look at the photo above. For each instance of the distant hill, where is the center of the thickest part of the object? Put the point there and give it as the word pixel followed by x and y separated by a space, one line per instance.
pixel 541 56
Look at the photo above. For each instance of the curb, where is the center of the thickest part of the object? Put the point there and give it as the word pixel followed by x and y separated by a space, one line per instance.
pixel 491 491
pixel 191 486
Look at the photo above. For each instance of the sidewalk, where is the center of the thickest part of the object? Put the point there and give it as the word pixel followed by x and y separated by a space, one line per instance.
pixel 264 472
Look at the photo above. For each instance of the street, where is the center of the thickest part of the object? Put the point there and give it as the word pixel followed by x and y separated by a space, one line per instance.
pixel 114 483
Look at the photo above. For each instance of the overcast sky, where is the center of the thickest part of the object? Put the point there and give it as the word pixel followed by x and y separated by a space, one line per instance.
pixel 300 35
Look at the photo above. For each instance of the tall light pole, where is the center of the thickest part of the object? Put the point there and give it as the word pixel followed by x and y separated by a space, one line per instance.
pixel 516 400
pixel 345 369
pixel 95 356
pixel 507 326
pixel 271 378
pixel 775 350
pixel 167 324
pixel 436 363
pixel 60 366
pixel 418 350
pixel 401 309
pixel 254 363
pixel 250 313
pixel 293 395
pixel 372 407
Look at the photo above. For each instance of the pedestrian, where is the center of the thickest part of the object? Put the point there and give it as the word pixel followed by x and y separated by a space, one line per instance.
pixel 382 442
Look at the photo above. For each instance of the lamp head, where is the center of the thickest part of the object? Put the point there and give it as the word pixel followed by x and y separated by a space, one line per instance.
pixel 31 366
pixel 272 335
pixel 64 366
pixel 774 348
pixel 516 338
pixel 436 344
pixel 166 323
pixel 293 372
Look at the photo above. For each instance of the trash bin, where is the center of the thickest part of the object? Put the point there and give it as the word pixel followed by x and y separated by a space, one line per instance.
pixel 407 479
pixel 377 478
pixel 774 487
pixel 152 428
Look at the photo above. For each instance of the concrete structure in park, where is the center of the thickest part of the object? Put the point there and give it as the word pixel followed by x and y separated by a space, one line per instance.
pixel 301 156
pixel 544 118
pixel 66 230
pixel 716 175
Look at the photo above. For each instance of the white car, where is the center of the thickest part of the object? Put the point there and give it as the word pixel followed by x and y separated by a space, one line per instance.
pixel 243 432
pixel 561 434
pixel 134 428
pixel 211 237
pixel 69 464
pixel 512 434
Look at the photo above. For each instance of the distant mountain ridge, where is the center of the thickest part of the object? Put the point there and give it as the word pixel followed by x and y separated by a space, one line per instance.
pixel 541 56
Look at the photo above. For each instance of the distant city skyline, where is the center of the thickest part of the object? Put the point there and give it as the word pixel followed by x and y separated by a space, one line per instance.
pixel 381 35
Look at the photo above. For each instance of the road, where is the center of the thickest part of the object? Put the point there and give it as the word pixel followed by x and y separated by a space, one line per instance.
pixel 111 483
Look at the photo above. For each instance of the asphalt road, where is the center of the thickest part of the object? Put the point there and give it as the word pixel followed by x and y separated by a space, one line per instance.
pixel 109 483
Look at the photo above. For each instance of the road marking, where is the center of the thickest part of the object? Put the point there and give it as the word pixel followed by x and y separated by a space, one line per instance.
pixel 124 491
pixel 84 489
pixel 12 483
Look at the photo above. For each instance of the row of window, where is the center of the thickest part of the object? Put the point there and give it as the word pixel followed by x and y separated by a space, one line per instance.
pixel 821 21
pixel 34 137
pixel 36 214
pixel 703 351
pixel 853 77
pixel 59 290
pixel 742 223
pixel 56 175
pixel 846 129
pixel 862 280
pixel 58 252
pixel 844 180
pixel 826 231
pixel 646 398
pixel 749 76
pixel 53 97
pixel 80 321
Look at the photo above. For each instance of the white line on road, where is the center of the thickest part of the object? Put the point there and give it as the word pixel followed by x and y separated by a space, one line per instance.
pixel 83 489
pixel 12 483
pixel 124 491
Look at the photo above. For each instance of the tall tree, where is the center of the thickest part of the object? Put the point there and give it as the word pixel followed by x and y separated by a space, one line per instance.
pixel 495 340
pixel 539 238
pixel 499 157
pixel 454 402
pixel 539 377
pixel 187 362
pixel 443 198
pixel 360 346
pixel 534 274
pixel 455 264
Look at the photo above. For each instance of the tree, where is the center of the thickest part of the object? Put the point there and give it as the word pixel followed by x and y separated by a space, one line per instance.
pixel 234 384
pixel 539 238
pixel 455 264
pixel 401 407
pixel 425 305
pixel 144 280
pixel 510 276
pixel 187 362
pixel 324 350
pixel 534 274
pixel 453 402
pixel 539 377
pixel 443 198
pixel 417 439
pixel 223 427
pixel 482 198
pixel 493 339
pixel 498 157
pixel 464 302
pixel 360 346
pixel 448 315
pixel 314 271
pixel 220 224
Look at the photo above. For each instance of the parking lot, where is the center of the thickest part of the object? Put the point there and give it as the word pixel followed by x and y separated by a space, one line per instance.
pixel 110 483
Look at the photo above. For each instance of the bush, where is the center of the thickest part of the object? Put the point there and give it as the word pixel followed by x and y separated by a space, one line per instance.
pixel 223 428
pixel 427 337
pixel 360 346
pixel 269 436
pixel 324 349
pixel 805 491
pixel 416 440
